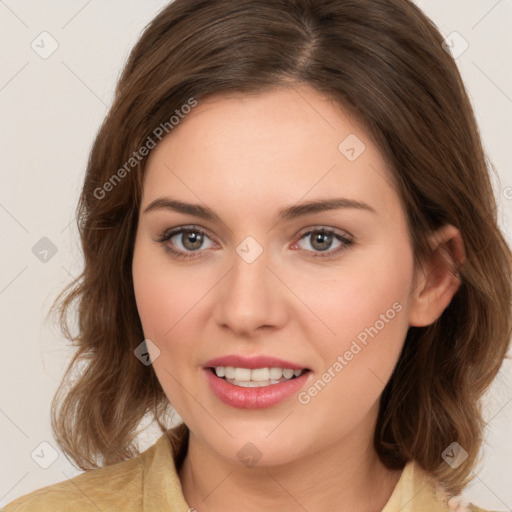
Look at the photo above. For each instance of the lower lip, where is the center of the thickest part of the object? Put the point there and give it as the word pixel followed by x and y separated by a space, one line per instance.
pixel 254 398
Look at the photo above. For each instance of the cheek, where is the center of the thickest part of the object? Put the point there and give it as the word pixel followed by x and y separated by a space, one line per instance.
pixel 367 311
pixel 170 298
pixel 365 308
pixel 357 299
pixel 160 294
pixel 164 297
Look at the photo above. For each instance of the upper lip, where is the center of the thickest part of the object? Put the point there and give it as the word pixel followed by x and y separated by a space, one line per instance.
pixel 261 361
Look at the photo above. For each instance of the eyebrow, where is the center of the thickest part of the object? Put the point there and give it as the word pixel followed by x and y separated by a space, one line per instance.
pixel 287 213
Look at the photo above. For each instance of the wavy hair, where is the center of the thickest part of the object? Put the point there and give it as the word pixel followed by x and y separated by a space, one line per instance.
pixel 381 60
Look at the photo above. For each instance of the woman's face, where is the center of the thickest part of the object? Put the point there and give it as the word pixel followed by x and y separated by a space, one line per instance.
pixel 324 288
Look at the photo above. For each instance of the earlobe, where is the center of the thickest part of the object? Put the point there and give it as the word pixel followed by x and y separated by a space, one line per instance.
pixel 439 279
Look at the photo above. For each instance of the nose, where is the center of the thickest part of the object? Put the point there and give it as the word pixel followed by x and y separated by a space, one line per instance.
pixel 251 297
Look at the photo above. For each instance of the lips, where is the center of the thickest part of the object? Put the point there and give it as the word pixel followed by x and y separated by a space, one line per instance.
pixel 254 362
pixel 254 398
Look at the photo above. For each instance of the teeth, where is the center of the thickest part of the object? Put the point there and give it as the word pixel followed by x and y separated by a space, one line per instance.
pixel 248 376
pixel 287 373
pixel 242 374
pixel 260 374
pixel 276 373
pixel 252 384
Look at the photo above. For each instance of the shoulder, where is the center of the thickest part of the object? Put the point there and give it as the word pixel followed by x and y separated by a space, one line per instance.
pixel 459 504
pixel 118 487
pixel 418 491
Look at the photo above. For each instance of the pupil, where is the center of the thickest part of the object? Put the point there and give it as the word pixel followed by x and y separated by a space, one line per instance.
pixel 324 239
pixel 192 240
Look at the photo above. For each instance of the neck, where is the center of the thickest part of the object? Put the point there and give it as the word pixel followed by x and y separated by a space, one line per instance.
pixel 344 477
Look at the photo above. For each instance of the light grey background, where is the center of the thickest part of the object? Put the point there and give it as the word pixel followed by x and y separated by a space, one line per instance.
pixel 51 110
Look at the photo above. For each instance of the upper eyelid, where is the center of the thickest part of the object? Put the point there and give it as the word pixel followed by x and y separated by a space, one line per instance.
pixel 336 231
pixel 169 233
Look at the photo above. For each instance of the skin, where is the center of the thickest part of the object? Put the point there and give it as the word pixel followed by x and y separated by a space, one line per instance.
pixel 246 157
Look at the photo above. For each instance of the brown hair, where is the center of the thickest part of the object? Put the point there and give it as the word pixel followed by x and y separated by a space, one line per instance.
pixel 383 61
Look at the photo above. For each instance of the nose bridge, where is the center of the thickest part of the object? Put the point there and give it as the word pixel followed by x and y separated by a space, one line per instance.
pixel 250 295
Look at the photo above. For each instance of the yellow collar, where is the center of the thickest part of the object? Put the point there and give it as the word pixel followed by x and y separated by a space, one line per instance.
pixel 415 491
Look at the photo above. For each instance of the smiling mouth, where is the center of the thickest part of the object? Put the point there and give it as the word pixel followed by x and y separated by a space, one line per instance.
pixel 255 378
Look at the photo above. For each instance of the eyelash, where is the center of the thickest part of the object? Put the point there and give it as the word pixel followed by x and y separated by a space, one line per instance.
pixel 167 235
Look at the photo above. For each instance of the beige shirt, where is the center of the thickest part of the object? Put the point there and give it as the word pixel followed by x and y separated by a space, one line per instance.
pixel 150 482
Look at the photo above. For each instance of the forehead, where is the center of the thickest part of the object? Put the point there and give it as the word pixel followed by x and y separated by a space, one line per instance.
pixel 281 146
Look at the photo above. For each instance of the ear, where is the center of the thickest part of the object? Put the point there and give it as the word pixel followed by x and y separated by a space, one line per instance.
pixel 437 280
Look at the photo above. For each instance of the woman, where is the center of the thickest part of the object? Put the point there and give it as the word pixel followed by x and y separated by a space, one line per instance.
pixel 290 236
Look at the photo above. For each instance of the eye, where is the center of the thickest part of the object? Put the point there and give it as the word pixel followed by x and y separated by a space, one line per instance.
pixel 189 241
pixel 184 241
pixel 321 240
